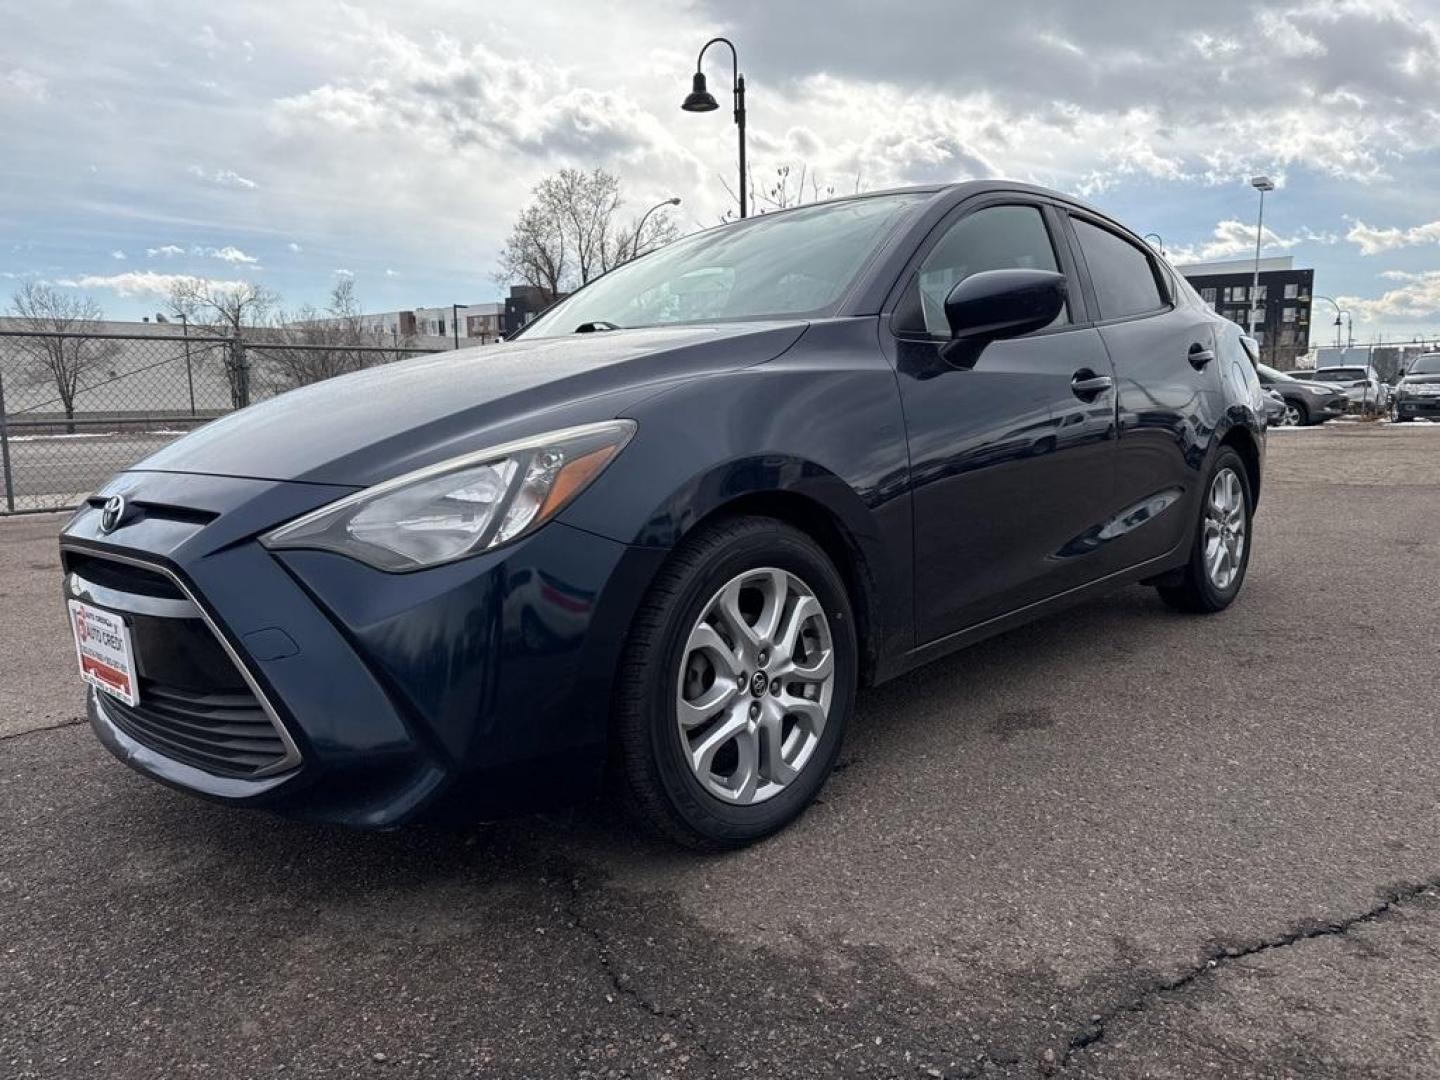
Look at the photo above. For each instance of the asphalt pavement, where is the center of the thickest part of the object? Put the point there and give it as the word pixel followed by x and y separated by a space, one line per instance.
pixel 1122 842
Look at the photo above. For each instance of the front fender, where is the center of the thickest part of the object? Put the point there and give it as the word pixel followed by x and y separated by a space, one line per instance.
pixel 821 424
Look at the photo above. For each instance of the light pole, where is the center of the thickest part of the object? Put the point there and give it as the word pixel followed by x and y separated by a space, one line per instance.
pixel 455 323
pixel 1339 311
pixel 1261 184
pixel 674 200
pixel 1159 241
pixel 701 100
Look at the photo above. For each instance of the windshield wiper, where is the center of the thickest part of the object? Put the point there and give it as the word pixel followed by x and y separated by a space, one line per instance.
pixel 598 324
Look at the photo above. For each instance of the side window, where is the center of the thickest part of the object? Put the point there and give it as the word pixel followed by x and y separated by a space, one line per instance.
pixel 1123 275
pixel 995 238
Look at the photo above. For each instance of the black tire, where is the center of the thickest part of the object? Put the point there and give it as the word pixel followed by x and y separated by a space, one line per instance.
pixel 1194 591
pixel 1300 408
pixel 649 773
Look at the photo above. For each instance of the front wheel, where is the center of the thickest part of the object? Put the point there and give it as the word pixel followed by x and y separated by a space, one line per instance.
pixel 1211 580
pixel 1296 415
pixel 737 682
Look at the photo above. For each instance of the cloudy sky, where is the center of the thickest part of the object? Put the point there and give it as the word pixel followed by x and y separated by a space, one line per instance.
pixel 292 143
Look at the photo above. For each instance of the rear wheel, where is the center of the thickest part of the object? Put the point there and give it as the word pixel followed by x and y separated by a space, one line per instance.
pixel 1212 578
pixel 737 682
pixel 1296 415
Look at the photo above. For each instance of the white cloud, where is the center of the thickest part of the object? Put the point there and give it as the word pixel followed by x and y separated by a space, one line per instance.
pixel 222 177
pixel 1373 241
pixel 294 247
pixel 229 253
pixel 24 85
pixel 391 273
pixel 138 282
pixel 226 254
pixel 342 272
pixel 1231 238
pixel 1418 299
pixel 118 254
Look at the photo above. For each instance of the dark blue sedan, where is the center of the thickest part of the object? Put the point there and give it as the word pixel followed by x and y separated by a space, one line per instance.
pixel 662 536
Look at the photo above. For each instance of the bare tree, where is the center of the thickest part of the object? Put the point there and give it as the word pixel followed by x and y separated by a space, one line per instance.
pixel 571 233
pixel 779 194
pixel 536 252
pixel 322 344
pixel 64 349
pixel 227 308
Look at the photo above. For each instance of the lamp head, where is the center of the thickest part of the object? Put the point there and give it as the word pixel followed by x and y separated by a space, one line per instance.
pixel 1262 183
pixel 699 99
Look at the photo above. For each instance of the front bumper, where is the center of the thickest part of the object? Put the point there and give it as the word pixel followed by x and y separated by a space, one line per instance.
pixel 468 690
pixel 1410 408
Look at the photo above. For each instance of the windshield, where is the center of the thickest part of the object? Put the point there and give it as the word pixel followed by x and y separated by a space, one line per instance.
pixel 1429 364
pixel 799 262
pixel 1272 373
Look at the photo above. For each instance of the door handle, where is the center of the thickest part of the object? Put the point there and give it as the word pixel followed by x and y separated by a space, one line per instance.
pixel 1087 386
pixel 1200 356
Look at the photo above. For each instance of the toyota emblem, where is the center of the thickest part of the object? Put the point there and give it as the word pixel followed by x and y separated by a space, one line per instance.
pixel 112 514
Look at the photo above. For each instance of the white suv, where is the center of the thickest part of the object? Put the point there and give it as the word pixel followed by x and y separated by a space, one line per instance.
pixel 1362 388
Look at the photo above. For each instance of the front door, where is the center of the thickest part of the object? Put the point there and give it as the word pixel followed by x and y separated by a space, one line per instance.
pixel 1012 464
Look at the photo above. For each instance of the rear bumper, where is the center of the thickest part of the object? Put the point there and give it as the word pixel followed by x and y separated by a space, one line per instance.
pixel 470 690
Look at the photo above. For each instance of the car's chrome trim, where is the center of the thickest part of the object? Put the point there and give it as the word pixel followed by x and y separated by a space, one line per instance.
pixel 262 780
pixel 135 603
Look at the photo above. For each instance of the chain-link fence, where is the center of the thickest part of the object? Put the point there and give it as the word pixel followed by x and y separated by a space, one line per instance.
pixel 77 407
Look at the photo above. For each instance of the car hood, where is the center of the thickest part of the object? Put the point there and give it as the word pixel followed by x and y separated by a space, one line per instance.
pixel 360 428
pixel 1415 380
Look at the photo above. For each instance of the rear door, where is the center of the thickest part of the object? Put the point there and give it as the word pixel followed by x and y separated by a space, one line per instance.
pixel 1009 465
pixel 1168 390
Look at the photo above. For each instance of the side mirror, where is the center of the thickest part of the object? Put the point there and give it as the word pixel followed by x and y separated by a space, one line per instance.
pixel 996 304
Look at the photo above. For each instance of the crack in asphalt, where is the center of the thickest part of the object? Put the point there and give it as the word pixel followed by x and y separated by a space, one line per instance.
pixel 1220 956
pixel 72 722
pixel 622 983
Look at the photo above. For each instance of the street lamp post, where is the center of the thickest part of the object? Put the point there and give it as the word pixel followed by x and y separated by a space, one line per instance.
pixel 455 323
pixel 674 200
pixel 1159 241
pixel 1339 312
pixel 1261 184
pixel 701 100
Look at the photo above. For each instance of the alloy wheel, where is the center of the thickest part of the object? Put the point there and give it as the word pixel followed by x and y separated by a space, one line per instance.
pixel 757 676
pixel 1292 416
pixel 1224 529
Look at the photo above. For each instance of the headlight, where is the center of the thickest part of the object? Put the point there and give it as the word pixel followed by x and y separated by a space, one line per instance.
pixel 458 507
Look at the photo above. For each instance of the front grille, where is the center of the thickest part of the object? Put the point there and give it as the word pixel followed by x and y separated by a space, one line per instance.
pixel 123 577
pixel 196 705
pixel 225 734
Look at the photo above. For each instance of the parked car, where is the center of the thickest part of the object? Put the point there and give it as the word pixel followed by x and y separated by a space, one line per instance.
pixel 1276 411
pixel 1362 388
pixel 887 427
pixel 1418 393
pixel 1306 401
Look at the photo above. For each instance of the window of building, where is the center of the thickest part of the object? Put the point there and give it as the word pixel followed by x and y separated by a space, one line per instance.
pixel 1288 314
pixel 1287 336
pixel 1208 295
pixel 1235 294
pixel 993 238
pixel 1123 275
pixel 1260 292
pixel 1292 291
pixel 1259 336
